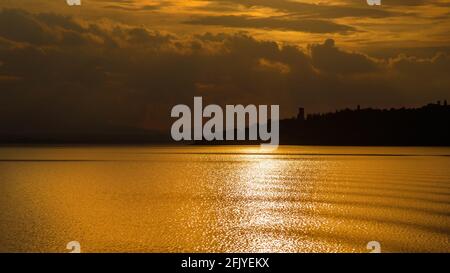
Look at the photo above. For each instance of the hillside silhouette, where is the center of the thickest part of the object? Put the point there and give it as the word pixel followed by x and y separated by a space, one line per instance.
pixel 425 126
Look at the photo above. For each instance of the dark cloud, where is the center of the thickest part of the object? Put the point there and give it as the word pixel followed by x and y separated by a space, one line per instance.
pixel 133 8
pixel 18 26
pixel 427 75
pixel 387 3
pixel 142 36
pixel 133 5
pixel 437 65
pixel 309 10
pixel 408 2
pixel 329 58
pixel 295 24
pixel 61 74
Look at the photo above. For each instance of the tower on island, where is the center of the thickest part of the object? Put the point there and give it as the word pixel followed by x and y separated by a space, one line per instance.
pixel 301 114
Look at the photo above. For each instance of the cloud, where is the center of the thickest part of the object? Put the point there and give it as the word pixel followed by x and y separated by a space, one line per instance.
pixel 63 74
pixel 19 26
pixel 294 24
pixel 408 2
pixel 133 8
pixel 308 10
pixel 329 58
pixel 437 65
pixel 427 75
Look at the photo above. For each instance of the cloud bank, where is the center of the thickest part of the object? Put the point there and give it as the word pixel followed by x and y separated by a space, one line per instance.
pixel 60 73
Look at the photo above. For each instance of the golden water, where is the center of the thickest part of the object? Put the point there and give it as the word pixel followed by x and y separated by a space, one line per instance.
pixel 224 199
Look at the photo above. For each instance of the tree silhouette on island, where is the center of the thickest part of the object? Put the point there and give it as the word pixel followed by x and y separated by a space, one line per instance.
pixel 425 126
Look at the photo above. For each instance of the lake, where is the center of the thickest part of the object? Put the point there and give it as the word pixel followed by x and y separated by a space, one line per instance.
pixel 224 199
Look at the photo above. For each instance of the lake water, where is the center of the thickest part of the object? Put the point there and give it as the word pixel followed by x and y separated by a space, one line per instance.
pixel 224 199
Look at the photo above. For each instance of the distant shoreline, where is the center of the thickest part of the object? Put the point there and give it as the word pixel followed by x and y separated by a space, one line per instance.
pixel 427 126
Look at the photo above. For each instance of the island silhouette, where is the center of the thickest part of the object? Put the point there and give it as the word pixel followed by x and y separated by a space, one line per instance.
pixel 428 125
pixel 425 126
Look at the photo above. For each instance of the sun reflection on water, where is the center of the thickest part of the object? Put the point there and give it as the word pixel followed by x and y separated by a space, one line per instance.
pixel 258 184
pixel 223 199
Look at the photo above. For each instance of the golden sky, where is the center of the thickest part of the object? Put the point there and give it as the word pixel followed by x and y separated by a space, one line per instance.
pixel 396 23
pixel 127 62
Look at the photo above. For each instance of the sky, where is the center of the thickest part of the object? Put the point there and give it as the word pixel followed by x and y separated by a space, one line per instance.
pixel 127 62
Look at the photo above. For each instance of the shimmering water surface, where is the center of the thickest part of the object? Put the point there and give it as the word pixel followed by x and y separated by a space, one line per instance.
pixel 224 199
